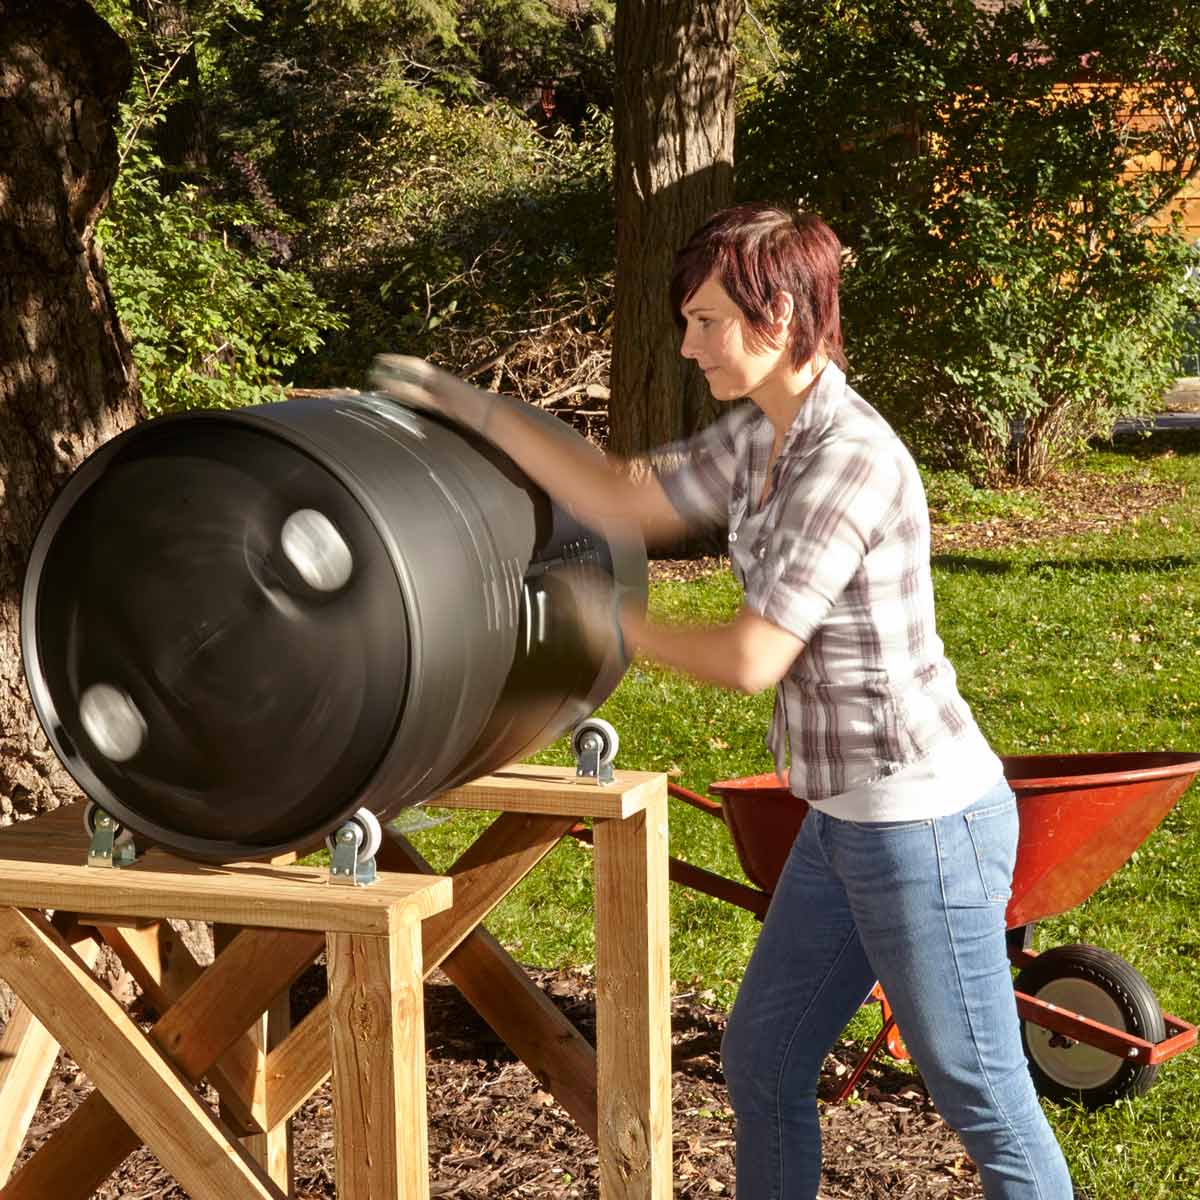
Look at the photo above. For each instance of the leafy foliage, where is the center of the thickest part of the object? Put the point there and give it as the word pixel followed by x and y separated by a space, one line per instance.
pixel 213 320
pixel 444 211
pixel 997 176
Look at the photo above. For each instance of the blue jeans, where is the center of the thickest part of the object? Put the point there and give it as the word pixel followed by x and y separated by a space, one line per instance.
pixel 918 905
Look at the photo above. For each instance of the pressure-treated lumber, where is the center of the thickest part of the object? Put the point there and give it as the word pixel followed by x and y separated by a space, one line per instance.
pixel 151 1096
pixel 274 1146
pixel 377 1012
pixel 214 1012
pixel 28 1052
pixel 633 1005
pixel 620 1094
pixel 244 894
pixel 496 986
pixel 485 873
pixel 163 967
pixel 298 1065
pixel 244 1096
pixel 525 1018
pixel 555 791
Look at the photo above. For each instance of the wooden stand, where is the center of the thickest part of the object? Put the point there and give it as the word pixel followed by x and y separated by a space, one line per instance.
pixel 225 1023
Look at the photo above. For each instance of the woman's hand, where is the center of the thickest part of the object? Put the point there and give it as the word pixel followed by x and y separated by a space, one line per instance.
pixel 603 609
pixel 577 476
pixel 421 385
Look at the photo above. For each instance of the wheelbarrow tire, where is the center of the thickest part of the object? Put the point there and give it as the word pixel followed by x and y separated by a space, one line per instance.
pixel 1102 986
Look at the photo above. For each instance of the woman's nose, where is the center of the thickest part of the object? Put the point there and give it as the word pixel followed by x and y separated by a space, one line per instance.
pixel 686 348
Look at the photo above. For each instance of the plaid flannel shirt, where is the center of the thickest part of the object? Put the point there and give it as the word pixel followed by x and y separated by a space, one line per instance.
pixel 838 556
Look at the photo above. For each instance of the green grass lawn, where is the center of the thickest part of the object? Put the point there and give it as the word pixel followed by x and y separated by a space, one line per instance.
pixel 1087 643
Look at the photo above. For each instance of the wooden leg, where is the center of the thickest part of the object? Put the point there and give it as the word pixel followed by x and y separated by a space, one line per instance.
pixel 28 1052
pixel 164 969
pixel 270 1146
pixel 633 1005
pixel 274 1146
pixel 152 1097
pixel 377 1027
pixel 298 1065
pixel 212 1015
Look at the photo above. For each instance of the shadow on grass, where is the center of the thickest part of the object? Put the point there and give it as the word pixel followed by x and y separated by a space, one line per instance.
pixel 964 564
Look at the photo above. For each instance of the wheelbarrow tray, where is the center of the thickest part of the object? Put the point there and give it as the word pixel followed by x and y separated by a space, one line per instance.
pixel 1082 816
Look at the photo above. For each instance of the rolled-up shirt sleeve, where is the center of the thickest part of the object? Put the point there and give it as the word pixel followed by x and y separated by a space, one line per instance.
pixel 828 522
pixel 698 473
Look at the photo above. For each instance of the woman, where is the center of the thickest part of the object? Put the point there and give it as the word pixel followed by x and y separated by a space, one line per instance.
pixel 902 869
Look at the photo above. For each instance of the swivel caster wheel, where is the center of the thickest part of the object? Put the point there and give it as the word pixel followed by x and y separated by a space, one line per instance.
pixel 595 744
pixel 111 843
pixel 353 848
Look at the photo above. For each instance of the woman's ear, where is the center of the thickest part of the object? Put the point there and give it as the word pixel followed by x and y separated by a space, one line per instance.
pixel 783 307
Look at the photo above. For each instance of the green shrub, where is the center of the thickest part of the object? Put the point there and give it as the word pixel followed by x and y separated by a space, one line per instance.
pixel 966 324
pixel 1001 269
pixel 472 236
pixel 211 321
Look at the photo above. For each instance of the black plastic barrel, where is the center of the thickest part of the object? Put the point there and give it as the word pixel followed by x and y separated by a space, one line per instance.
pixel 240 627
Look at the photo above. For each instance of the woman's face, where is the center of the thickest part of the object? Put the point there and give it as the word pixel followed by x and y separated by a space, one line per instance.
pixel 735 360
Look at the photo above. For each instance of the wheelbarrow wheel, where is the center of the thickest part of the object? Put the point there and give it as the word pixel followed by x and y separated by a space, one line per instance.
pixel 1102 986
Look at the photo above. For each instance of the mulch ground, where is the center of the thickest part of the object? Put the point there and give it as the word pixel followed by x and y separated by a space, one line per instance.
pixel 494 1133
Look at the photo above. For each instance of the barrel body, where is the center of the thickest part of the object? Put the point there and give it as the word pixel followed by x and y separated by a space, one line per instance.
pixel 239 627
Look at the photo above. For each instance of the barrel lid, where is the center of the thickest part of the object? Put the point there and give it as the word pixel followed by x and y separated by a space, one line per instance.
pixel 219 647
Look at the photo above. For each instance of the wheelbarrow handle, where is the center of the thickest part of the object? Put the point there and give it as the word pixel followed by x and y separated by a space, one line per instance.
pixel 696 801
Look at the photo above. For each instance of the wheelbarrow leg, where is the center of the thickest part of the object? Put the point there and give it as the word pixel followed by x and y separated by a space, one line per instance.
pixel 889 1026
pixel 888 1035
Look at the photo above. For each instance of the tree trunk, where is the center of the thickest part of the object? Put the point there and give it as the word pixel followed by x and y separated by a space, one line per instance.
pixel 674 168
pixel 67 381
pixel 181 138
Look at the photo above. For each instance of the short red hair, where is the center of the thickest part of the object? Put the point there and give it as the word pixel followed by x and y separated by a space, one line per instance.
pixel 756 251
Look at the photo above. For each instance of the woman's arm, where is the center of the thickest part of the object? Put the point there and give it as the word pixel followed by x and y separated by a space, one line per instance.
pixel 574 473
pixel 748 654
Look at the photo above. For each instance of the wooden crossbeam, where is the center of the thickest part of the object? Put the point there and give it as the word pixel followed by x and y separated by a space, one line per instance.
pixel 483 875
pixel 491 981
pixel 297 1066
pixel 28 1052
pixel 211 1015
pixel 562 1060
pixel 164 969
pixel 152 1097
pixel 245 1094
pixel 555 791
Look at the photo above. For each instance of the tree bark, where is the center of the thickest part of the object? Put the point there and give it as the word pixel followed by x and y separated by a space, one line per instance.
pixel 67 380
pixel 181 138
pixel 673 135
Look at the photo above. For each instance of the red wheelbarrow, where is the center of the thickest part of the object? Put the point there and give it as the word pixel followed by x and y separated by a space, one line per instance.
pixel 1090 1024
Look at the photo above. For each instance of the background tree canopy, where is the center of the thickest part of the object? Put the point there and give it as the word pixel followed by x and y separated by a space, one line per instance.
pixel 976 158
pixel 308 182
